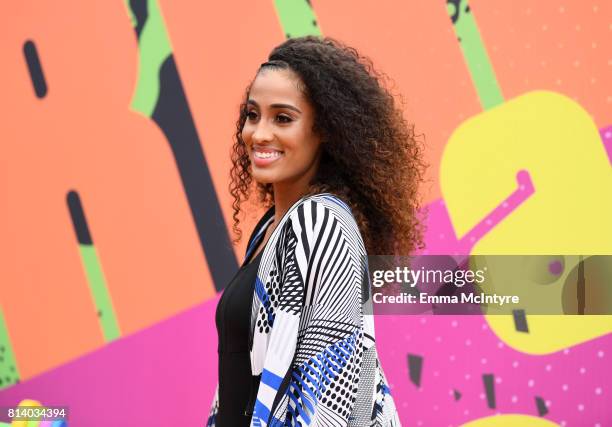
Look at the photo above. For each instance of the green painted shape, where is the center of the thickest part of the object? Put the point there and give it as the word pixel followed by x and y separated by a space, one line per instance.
pixel 297 18
pixel 4 425
pixel 154 47
pixel 475 54
pixel 99 290
pixel 8 365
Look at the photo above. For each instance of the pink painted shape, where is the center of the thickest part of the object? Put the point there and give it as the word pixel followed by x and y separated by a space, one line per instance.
pixel 606 137
pixel 440 237
pixel 161 376
pixel 165 375
pixel 456 357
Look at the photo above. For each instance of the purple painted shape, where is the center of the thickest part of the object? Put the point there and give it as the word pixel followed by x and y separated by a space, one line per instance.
pixel 165 375
pixel 555 267
pixel 161 376
pixel 606 137
pixel 458 350
pixel 440 237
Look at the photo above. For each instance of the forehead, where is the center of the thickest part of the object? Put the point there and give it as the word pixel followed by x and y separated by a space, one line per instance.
pixel 277 85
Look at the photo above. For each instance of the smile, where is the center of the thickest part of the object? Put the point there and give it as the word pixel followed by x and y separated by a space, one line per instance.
pixel 267 155
pixel 264 157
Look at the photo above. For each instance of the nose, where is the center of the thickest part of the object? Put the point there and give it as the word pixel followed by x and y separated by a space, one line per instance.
pixel 262 132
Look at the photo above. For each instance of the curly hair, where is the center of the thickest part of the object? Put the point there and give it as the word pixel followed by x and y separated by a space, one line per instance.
pixel 371 158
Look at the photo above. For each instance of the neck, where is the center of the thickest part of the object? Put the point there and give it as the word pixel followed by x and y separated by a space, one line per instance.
pixel 287 193
pixel 284 198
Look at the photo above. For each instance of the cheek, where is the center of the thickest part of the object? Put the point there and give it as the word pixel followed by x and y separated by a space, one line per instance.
pixel 303 144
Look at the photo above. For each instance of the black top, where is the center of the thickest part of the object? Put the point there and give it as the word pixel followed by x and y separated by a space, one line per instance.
pixel 237 386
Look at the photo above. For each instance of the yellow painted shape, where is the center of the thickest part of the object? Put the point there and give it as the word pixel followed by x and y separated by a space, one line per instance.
pixel 519 276
pixel 557 142
pixel 510 420
pixel 549 333
pixel 27 402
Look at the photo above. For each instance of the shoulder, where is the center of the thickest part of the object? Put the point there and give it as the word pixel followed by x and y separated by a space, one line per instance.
pixel 333 203
pixel 310 207
pixel 319 215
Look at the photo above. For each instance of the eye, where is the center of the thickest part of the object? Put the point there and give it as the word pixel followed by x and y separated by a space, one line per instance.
pixel 251 115
pixel 283 118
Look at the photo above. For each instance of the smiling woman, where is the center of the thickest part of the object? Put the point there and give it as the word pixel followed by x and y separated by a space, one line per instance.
pixel 278 132
pixel 338 168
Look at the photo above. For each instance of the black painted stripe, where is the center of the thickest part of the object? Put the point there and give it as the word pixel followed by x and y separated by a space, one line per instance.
pixel 489 385
pixel 140 10
pixel 36 73
pixel 78 218
pixel 173 116
pixel 541 405
pixel 415 367
pixel 580 287
pixel 520 321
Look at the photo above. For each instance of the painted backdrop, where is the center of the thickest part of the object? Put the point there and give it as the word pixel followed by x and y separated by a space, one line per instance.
pixel 116 127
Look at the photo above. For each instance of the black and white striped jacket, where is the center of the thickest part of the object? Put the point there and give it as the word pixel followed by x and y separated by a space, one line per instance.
pixel 311 341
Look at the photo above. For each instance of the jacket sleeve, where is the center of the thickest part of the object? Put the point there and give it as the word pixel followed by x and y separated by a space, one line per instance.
pixel 324 266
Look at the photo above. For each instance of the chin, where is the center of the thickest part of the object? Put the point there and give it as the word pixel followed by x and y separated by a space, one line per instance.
pixel 264 178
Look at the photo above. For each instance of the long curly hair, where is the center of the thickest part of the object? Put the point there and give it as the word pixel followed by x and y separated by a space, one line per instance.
pixel 371 158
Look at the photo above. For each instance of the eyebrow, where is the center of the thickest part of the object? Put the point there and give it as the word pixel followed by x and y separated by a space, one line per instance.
pixel 288 106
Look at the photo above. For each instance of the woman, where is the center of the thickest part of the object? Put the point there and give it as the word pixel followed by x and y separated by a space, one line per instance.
pixel 338 167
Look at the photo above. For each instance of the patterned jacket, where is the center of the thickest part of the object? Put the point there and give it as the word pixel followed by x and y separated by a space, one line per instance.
pixel 311 341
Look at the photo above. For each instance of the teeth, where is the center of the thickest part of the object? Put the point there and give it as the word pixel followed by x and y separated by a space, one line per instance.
pixel 267 155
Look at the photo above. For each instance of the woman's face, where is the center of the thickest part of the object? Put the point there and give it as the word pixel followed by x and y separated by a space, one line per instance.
pixel 278 133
